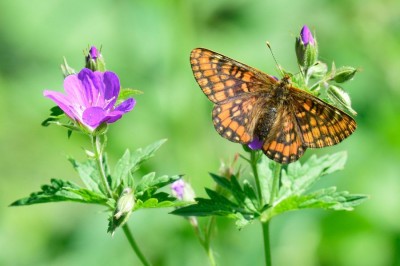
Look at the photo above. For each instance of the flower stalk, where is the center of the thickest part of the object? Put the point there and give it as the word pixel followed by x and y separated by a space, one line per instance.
pixel 98 156
pixel 254 158
pixel 134 246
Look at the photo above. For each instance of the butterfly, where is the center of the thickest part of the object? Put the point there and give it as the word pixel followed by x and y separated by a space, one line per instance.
pixel 250 105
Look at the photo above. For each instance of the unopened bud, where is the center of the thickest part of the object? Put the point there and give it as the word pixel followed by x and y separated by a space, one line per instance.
pixel 306 48
pixel 344 74
pixel 125 203
pixel 94 60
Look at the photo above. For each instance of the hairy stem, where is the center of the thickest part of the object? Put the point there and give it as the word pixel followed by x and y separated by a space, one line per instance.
pixel 274 190
pixel 98 154
pixel 134 246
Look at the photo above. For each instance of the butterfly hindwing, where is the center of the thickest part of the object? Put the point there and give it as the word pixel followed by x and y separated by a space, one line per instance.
pixel 284 143
pixel 222 78
pixel 236 119
pixel 321 124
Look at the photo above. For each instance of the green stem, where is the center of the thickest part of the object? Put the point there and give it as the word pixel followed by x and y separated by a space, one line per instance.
pixel 267 245
pixel 274 191
pixel 265 225
pixel 134 246
pixel 205 241
pixel 98 154
pixel 98 147
pixel 207 238
pixel 253 162
pixel 276 176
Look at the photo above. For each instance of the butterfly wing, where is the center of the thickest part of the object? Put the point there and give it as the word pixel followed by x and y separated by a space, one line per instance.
pixel 236 119
pixel 222 78
pixel 284 143
pixel 321 124
pixel 235 89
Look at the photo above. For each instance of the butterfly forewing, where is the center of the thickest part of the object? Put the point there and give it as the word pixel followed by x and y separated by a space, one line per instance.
pixel 222 78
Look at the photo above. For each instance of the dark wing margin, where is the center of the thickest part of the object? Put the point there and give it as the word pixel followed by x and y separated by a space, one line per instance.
pixel 321 124
pixel 222 78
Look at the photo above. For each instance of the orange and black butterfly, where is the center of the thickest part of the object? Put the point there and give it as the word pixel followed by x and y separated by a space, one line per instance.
pixel 250 105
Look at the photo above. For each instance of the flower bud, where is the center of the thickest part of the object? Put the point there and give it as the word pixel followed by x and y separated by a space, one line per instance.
pixel 306 48
pixel 339 97
pixel 125 203
pixel 318 70
pixel 182 190
pixel 94 60
pixel 344 74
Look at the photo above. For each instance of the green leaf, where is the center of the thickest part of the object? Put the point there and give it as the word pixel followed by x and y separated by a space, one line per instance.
pixel 88 173
pixel 126 93
pixel 149 184
pixel 298 178
pixel 264 168
pixel 154 203
pixel 218 204
pixel 122 170
pixel 60 190
pixel 130 162
pixel 56 113
pixel 328 199
pixel 141 155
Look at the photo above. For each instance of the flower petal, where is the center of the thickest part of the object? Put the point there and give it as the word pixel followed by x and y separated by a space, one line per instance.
pixel 92 87
pixel 93 52
pixel 94 116
pixel 62 101
pixel 256 143
pixel 112 86
pixel 306 36
pixel 74 89
pixel 120 110
pixel 126 106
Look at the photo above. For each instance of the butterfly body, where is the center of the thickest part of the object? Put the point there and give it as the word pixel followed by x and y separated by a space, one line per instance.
pixel 251 105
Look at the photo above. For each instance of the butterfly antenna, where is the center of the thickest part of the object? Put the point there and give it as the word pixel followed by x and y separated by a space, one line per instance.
pixel 276 62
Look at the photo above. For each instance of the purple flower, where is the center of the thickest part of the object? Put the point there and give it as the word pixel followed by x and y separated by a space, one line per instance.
pixel 182 190
pixel 306 36
pixel 178 187
pixel 90 98
pixel 256 144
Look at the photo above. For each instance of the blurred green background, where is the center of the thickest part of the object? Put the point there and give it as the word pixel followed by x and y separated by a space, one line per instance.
pixel 147 43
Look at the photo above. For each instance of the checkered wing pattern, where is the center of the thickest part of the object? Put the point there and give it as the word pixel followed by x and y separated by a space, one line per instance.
pixel 222 78
pixel 321 124
pixel 284 142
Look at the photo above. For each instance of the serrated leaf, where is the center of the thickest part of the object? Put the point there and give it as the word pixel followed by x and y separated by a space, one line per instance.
pixel 328 199
pixel 149 184
pixel 130 162
pixel 60 190
pixel 88 173
pixel 155 203
pixel 122 170
pixel 218 205
pixel 141 155
pixel 244 198
pixel 298 178
pixel 126 93
pixel 264 168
